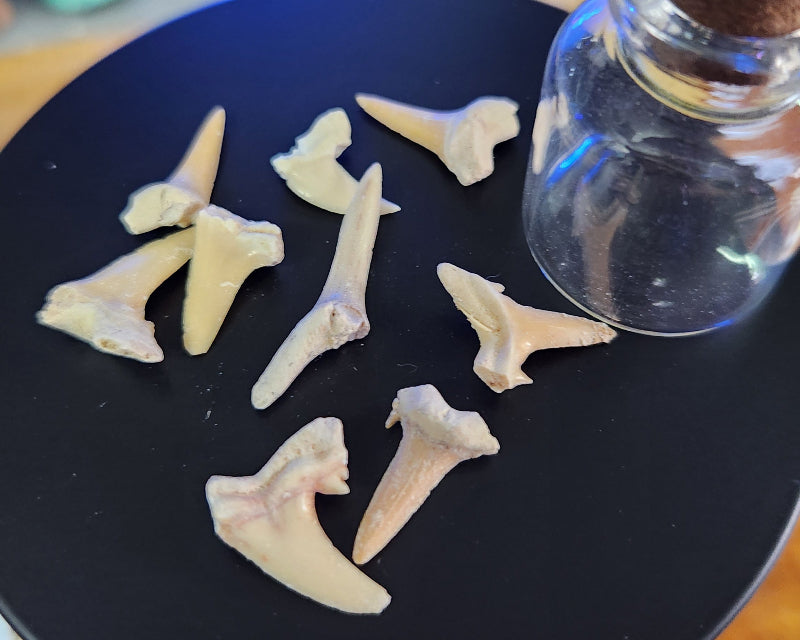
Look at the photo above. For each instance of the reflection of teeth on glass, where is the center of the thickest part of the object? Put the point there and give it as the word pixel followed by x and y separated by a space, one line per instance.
pixel 771 148
pixel 552 112
pixel 270 518
pixel 176 201
pixel 340 314
pixel 227 250
pixel 753 263
pixel 509 332
pixel 463 139
pixel 436 438
pixel 311 170
pixel 106 309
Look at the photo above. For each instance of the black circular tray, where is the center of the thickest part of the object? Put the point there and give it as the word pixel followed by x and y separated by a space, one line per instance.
pixel 640 488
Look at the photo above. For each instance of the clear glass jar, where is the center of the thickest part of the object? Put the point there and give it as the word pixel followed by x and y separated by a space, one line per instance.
pixel 663 192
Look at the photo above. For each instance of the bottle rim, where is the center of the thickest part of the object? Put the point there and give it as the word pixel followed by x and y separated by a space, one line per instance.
pixel 743 76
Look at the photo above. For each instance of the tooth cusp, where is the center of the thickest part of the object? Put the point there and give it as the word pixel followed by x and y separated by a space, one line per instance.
pixel 509 332
pixel 176 201
pixel 228 248
pixel 311 170
pixel 270 519
pixel 463 139
pixel 106 309
pixel 435 439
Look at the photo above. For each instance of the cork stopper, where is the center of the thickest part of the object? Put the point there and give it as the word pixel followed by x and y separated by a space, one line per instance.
pixel 754 18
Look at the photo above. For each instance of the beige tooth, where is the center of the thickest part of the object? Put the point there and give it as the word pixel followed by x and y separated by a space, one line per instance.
pixel 270 518
pixel 564 5
pixel 463 139
pixel 227 250
pixel 176 201
pixel 340 313
pixel 106 309
pixel 435 439
pixel 311 170
pixel 509 332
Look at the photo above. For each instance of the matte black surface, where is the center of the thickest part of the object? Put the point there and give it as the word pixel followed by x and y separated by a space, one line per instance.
pixel 639 488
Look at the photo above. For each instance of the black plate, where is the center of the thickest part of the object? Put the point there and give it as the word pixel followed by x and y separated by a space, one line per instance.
pixel 640 486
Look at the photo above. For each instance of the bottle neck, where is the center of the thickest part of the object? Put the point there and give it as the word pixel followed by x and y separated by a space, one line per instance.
pixel 701 72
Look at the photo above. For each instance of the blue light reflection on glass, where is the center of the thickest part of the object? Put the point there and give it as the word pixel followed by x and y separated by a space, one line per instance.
pixel 591 173
pixel 567 163
pixel 577 31
pixel 745 63
pixel 587 16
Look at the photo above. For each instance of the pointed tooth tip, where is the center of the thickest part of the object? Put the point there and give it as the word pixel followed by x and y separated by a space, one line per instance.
pixel 366 98
pixel 447 273
pixel 388 207
pixel 360 556
pixel 217 113
pixel 373 172
pixel 258 398
pixel 374 104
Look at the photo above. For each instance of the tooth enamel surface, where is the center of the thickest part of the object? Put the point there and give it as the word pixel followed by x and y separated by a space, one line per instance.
pixel 464 139
pixel 176 201
pixel 106 309
pixel 270 518
pixel 509 332
pixel 227 249
pixel 310 168
pixel 436 438
pixel 340 314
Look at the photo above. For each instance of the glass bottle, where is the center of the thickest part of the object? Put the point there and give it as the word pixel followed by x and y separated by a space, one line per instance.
pixel 663 190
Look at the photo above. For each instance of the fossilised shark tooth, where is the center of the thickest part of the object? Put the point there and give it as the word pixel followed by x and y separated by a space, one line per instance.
pixel 106 309
pixel 435 439
pixel 509 332
pixel 227 249
pixel 463 139
pixel 311 170
pixel 340 314
pixel 176 201
pixel 270 519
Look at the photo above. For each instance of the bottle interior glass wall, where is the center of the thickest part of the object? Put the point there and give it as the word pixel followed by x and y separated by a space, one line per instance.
pixel 648 201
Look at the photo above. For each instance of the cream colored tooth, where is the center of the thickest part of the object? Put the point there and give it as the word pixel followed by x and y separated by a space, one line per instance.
pixel 435 439
pixel 564 5
pixel 106 309
pixel 463 139
pixel 176 201
pixel 270 518
pixel 311 170
pixel 340 314
pixel 509 332
pixel 227 250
